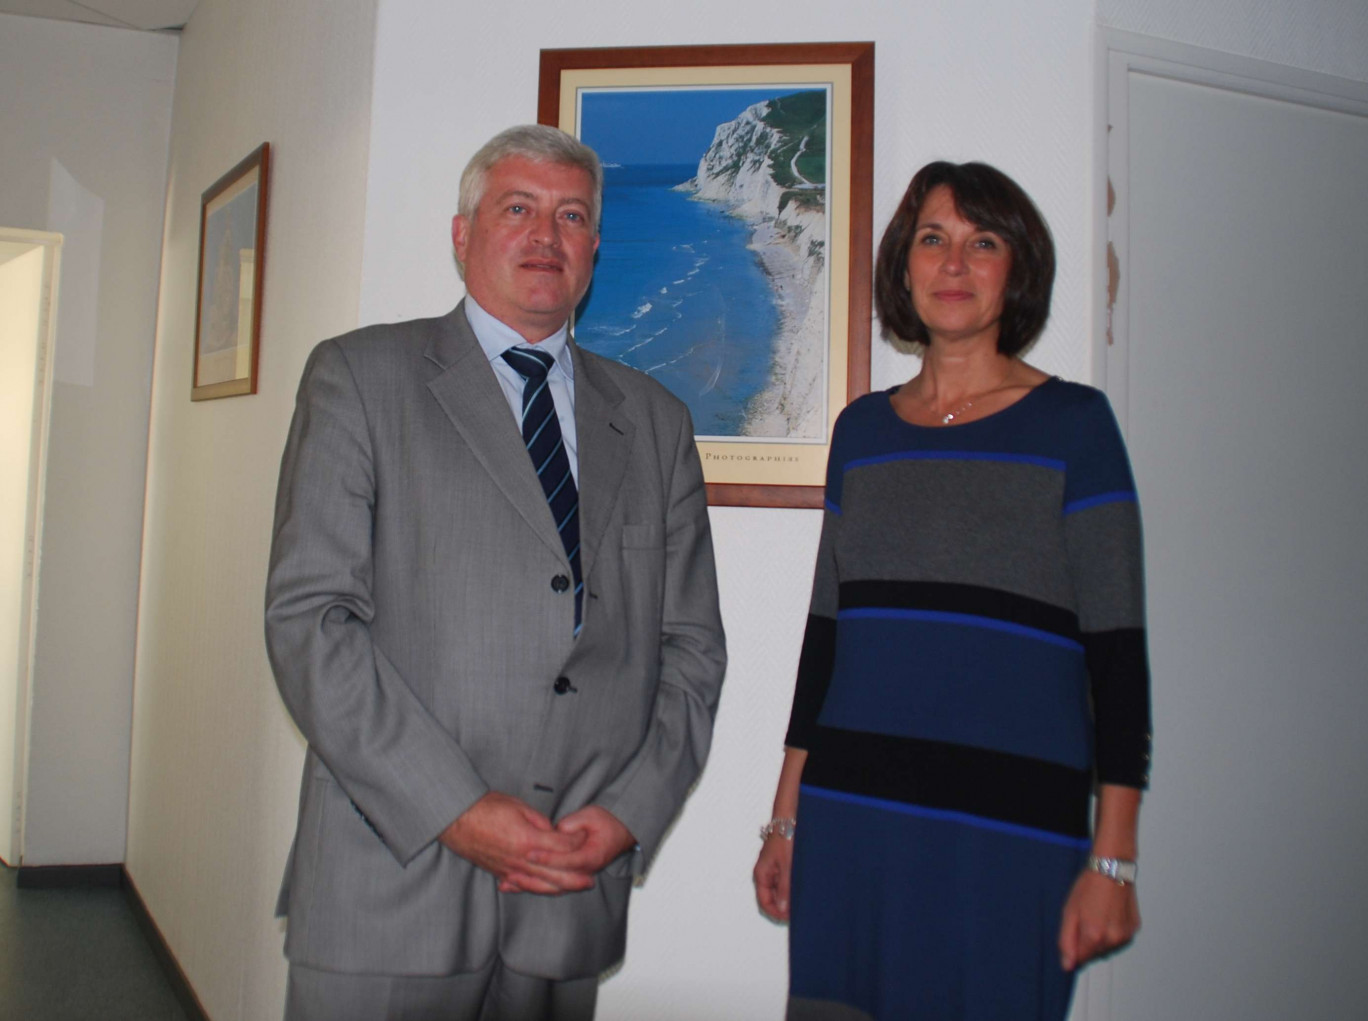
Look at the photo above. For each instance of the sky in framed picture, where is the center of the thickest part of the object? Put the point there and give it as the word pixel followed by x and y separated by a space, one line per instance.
pixel 713 266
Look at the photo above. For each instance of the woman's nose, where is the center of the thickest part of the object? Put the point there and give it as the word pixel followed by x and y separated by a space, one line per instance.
pixel 953 262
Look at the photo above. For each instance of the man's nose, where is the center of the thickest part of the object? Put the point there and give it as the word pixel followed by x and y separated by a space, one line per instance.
pixel 546 231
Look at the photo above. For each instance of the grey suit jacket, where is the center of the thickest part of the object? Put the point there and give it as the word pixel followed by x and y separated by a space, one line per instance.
pixel 417 628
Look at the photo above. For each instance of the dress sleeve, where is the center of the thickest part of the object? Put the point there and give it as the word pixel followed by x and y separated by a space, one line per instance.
pixel 818 656
pixel 1103 543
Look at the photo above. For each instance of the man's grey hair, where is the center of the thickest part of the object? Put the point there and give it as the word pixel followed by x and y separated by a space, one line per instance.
pixel 540 144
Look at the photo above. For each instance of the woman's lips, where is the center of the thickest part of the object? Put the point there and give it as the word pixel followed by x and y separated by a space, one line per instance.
pixel 953 295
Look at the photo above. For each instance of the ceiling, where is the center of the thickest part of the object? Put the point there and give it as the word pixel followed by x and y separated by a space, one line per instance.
pixel 144 14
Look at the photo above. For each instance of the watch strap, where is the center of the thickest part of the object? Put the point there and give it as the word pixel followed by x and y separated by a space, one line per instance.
pixel 1118 870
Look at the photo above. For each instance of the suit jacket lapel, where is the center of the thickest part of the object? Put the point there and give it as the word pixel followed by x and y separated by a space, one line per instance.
pixel 604 434
pixel 470 395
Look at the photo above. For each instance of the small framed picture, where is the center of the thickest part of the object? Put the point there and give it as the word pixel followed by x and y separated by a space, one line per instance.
pixel 231 267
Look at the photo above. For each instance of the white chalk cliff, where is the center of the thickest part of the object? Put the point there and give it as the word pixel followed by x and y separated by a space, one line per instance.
pixel 789 233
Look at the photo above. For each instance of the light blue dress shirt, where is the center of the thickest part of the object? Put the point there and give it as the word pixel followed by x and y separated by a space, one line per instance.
pixel 496 337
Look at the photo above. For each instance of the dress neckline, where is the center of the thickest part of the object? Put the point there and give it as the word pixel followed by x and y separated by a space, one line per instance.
pixel 1024 398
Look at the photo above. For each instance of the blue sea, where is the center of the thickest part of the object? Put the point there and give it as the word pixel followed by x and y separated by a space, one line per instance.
pixel 678 295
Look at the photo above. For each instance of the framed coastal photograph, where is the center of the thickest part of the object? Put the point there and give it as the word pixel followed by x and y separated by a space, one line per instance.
pixel 734 261
pixel 231 263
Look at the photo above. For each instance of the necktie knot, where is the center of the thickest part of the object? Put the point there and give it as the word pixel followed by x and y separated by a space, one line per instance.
pixel 530 365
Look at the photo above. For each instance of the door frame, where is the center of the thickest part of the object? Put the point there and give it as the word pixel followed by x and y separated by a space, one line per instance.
pixel 51 244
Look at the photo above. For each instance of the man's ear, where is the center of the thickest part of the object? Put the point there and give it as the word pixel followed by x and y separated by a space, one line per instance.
pixel 460 235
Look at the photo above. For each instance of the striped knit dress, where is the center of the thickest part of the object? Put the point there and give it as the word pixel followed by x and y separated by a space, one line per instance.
pixel 974 658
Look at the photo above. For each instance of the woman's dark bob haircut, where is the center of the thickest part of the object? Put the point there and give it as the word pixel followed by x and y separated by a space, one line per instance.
pixel 991 200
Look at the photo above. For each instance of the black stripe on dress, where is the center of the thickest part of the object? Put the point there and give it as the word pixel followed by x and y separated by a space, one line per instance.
pixel 933 774
pixel 975 600
pixel 815 664
pixel 1119 668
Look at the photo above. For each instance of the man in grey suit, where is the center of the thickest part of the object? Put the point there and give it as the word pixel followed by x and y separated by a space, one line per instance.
pixel 503 716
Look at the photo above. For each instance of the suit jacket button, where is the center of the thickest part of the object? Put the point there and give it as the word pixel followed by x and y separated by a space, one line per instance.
pixel 563 685
pixel 560 583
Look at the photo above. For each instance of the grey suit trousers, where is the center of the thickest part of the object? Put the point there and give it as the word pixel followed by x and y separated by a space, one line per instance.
pixel 494 993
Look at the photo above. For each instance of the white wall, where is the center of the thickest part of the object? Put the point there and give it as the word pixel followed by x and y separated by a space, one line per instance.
pixel 1330 36
pixel 216 763
pixel 92 105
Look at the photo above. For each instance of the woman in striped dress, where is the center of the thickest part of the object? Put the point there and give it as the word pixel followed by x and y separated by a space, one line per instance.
pixel 974 665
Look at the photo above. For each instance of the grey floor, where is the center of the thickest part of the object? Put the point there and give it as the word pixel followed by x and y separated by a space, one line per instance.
pixel 77 954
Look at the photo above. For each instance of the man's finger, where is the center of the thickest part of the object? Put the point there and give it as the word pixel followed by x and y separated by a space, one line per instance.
pixel 561 880
pixel 528 882
pixel 588 858
pixel 520 882
pixel 554 841
pixel 535 818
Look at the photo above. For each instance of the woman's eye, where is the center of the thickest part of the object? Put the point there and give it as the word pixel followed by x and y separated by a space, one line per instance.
pixel 986 243
pixel 929 239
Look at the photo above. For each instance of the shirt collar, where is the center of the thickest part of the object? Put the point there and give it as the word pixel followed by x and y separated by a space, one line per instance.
pixel 496 337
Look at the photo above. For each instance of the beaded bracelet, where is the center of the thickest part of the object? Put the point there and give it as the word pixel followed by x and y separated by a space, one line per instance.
pixel 784 827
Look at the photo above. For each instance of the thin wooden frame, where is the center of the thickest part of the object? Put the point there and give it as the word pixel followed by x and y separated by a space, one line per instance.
pixel 773 471
pixel 228 296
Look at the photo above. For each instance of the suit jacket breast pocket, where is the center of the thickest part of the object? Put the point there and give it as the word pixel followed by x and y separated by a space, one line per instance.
pixel 641 586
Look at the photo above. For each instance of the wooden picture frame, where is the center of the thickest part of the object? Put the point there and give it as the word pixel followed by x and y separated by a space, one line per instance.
pixel 801 344
pixel 232 262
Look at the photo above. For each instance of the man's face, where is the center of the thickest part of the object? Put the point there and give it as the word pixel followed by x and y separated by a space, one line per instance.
pixel 529 249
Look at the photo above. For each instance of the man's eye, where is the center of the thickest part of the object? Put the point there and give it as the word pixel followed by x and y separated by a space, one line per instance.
pixel 517 208
pixel 574 216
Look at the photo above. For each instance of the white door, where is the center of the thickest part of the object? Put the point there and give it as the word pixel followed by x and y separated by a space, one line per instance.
pixel 1242 370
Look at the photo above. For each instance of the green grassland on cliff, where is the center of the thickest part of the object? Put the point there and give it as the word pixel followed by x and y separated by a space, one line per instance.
pixel 801 119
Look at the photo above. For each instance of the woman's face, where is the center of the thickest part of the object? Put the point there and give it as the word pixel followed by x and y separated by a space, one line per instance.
pixel 956 272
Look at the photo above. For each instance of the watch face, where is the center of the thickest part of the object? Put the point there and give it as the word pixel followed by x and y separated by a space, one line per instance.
pixel 1114 868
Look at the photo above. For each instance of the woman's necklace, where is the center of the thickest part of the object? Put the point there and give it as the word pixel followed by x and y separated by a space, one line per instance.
pixel 950 416
pixel 955 413
pixel 958 411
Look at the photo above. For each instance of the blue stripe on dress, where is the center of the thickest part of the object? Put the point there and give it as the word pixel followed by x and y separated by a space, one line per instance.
pixel 944 815
pixel 1118 496
pixel 966 619
pixel 986 688
pixel 1054 464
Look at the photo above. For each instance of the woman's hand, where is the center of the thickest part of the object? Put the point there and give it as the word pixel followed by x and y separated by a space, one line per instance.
pixel 772 871
pixel 1100 916
pixel 775 864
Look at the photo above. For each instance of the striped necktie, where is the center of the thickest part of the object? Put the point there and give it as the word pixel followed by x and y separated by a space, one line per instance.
pixel 542 434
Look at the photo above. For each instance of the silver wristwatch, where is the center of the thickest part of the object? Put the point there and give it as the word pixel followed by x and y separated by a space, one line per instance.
pixel 1118 870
